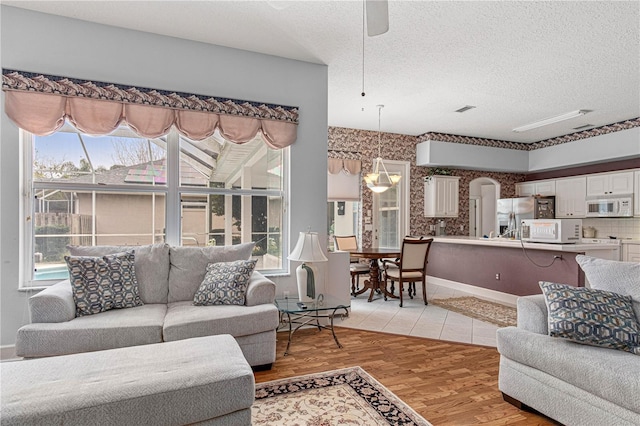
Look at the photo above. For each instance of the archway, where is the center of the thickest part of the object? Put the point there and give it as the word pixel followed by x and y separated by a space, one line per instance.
pixel 484 193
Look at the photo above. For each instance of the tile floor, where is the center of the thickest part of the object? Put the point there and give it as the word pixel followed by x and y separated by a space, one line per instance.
pixel 416 319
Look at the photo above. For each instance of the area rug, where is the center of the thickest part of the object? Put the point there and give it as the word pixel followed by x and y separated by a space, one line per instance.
pixel 348 396
pixel 483 310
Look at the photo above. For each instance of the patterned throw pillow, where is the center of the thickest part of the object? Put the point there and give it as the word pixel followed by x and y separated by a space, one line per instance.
pixel 225 283
pixel 103 283
pixel 592 317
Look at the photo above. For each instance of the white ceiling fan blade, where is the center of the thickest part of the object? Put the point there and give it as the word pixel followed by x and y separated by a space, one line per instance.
pixel 377 17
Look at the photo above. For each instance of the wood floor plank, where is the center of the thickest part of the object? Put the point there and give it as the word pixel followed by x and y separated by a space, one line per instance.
pixel 447 383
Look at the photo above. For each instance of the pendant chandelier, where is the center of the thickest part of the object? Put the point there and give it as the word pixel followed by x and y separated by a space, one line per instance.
pixel 380 180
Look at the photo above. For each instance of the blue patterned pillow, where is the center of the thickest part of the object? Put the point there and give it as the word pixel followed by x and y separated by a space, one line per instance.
pixel 225 283
pixel 592 317
pixel 102 283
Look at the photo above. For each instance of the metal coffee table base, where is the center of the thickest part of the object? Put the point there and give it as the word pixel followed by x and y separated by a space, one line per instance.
pixel 300 319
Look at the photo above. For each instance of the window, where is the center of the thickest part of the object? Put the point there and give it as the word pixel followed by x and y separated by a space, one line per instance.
pixel 343 219
pixel 124 189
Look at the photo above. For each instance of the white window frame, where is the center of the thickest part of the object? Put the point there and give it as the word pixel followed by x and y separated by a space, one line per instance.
pixel 403 208
pixel 172 192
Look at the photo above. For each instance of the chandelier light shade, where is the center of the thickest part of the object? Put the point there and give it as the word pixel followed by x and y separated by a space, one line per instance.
pixel 380 180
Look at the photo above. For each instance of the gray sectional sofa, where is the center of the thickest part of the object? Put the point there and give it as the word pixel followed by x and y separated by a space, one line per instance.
pixel 573 383
pixel 200 381
pixel 168 278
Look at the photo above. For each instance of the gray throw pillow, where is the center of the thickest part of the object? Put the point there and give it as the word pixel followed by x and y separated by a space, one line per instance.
pixel 610 275
pixel 225 283
pixel 103 283
pixel 591 317
pixel 152 267
pixel 189 264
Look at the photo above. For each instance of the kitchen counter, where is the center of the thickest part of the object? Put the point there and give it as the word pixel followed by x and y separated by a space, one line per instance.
pixel 500 264
pixel 507 242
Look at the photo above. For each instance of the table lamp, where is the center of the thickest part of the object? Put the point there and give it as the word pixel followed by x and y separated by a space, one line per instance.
pixel 307 250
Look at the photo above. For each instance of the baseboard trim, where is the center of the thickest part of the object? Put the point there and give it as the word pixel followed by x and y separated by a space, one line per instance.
pixel 483 293
pixel 7 352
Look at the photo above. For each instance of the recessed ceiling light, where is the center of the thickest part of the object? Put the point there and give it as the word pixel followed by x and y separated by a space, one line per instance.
pixel 465 108
pixel 551 120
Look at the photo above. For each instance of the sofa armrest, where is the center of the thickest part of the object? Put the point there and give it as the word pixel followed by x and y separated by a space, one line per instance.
pixel 532 314
pixel 260 291
pixel 53 304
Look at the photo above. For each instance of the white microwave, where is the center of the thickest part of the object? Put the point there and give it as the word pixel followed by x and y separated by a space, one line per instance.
pixel 610 207
pixel 556 231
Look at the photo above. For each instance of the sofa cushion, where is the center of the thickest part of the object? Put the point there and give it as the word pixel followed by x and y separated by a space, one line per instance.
pixel 112 329
pixel 611 375
pixel 103 283
pixel 610 275
pixel 225 283
pixel 189 264
pixel 592 317
pixel 176 383
pixel 184 320
pixel 152 267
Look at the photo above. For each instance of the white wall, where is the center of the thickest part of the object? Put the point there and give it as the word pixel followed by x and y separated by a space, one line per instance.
pixel 49 44
pixel 609 147
pixel 473 157
pixel 615 146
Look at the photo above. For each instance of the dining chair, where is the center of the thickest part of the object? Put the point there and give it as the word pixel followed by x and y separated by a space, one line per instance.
pixel 356 268
pixel 393 264
pixel 411 267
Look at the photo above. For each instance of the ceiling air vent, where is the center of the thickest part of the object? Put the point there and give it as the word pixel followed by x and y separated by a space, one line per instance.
pixel 465 108
pixel 583 127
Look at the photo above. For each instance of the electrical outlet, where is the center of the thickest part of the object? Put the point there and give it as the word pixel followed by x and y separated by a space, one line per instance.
pixel 497 276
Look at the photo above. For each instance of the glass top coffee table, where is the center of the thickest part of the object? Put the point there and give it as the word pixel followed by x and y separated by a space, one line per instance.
pixel 299 314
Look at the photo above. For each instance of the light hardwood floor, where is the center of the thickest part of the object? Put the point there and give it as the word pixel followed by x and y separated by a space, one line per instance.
pixel 447 383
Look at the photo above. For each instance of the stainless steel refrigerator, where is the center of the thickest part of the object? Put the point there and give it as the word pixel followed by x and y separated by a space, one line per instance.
pixel 510 213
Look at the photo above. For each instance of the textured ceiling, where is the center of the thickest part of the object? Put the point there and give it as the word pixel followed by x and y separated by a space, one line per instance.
pixel 516 61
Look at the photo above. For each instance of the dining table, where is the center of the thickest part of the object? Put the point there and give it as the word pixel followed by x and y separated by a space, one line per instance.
pixel 374 283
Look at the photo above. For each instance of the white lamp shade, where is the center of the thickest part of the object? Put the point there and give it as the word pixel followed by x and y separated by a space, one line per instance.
pixel 308 248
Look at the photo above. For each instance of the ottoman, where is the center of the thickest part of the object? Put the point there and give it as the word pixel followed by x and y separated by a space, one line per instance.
pixel 200 380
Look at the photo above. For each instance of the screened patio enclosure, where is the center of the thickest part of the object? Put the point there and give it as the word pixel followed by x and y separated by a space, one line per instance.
pixel 112 190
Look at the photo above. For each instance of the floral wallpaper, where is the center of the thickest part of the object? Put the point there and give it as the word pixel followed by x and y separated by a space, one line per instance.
pixel 597 131
pixel 363 145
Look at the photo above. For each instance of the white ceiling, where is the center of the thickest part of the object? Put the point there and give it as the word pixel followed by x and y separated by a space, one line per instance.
pixel 516 61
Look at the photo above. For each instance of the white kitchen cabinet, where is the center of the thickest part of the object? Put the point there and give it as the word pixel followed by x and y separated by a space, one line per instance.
pixel 525 189
pixel 571 197
pixel 631 252
pixel 540 187
pixel 636 194
pixel 604 184
pixel 441 196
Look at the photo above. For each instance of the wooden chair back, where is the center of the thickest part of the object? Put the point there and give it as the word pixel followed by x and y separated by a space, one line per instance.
pixel 414 254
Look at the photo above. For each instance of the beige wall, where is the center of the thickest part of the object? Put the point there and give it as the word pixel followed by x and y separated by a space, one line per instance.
pixel 125 214
pixel 403 148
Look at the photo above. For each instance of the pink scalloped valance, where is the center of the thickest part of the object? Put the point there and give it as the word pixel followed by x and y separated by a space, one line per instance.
pixel 337 165
pixel 40 104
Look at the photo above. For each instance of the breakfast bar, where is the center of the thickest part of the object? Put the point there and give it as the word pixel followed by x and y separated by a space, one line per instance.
pixel 506 265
